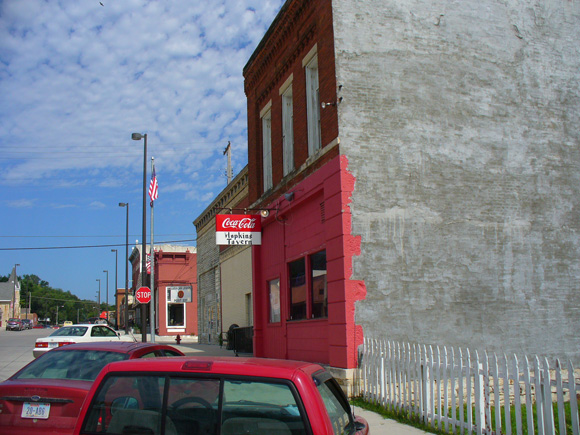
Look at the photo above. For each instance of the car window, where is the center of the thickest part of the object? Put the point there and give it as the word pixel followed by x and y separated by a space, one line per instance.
pixel 191 404
pixel 260 408
pixel 135 404
pixel 336 404
pixel 70 364
pixel 70 331
pixel 151 354
pixel 168 352
pixel 108 332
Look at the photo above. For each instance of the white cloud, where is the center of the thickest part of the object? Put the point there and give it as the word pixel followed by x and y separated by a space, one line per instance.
pixel 97 205
pixel 78 78
pixel 21 203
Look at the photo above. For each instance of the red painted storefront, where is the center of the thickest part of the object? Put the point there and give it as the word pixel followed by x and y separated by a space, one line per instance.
pixel 174 269
pixel 317 219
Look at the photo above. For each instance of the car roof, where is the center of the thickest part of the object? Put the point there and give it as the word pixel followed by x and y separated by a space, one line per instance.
pixel 258 367
pixel 114 346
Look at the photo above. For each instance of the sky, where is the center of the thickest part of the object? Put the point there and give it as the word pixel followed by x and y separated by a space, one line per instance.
pixel 77 78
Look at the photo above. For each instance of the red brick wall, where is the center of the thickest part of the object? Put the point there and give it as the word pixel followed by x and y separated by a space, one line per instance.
pixel 292 35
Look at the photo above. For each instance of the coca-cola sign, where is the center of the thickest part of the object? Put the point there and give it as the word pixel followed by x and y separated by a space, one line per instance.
pixel 238 229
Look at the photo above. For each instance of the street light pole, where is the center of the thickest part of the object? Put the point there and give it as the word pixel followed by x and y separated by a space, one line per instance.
pixel 116 288
pixel 139 136
pixel 107 296
pixel 126 204
pixel 14 293
pixel 61 306
pixel 99 301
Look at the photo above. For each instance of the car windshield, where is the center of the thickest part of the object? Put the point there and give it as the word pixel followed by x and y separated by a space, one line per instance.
pixel 14 320
pixel 70 331
pixel 70 364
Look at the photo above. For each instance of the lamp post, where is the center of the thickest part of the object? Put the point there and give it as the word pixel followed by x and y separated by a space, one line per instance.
pixel 61 306
pixel 14 292
pixel 107 296
pixel 126 204
pixel 116 288
pixel 139 136
pixel 99 300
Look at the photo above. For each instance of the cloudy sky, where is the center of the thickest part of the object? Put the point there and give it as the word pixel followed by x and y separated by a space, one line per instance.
pixel 76 79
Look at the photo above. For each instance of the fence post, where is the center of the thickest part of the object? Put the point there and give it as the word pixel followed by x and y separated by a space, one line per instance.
pixel 539 396
pixel 506 397
pixel 548 408
pixel 517 401
pixel 573 399
pixel 479 396
pixel 426 383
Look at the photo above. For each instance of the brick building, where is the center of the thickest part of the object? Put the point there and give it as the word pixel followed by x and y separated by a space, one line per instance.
pixel 174 292
pixel 224 273
pixel 420 162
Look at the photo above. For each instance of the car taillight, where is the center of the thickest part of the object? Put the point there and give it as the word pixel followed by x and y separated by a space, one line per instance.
pixel 41 345
pixel 64 343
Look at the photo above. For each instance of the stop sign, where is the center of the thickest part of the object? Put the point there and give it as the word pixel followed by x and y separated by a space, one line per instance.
pixel 143 295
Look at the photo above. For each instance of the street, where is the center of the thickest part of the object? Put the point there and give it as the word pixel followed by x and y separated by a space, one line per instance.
pixel 16 351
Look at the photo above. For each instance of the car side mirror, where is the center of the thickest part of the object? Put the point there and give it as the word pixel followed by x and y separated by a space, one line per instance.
pixel 119 334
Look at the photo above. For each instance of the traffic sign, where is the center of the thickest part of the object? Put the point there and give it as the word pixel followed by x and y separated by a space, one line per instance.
pixel 143 295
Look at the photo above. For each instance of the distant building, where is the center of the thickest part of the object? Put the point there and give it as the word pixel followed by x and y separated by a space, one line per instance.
pixel 420 164
pixel 224 272
pixel 175 289
pixel 9 293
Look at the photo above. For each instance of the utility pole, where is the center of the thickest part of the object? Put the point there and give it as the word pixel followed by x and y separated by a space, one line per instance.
pixel 228 151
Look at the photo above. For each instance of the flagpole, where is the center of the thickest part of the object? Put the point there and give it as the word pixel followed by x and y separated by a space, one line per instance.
pixel 152 257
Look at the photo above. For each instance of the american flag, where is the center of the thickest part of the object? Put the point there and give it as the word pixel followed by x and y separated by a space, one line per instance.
pixel 148 264
pixel 153 187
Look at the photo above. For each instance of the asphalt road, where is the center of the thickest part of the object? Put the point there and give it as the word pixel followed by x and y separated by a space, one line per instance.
pixel 16 351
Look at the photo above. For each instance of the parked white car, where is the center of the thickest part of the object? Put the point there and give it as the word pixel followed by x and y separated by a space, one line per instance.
pixel 74 334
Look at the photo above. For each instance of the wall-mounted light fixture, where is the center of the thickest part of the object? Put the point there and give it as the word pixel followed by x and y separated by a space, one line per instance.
pixel 264 212
pixel 335 103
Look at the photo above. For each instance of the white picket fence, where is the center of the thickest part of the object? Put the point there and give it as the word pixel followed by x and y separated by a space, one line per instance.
pixel 460 391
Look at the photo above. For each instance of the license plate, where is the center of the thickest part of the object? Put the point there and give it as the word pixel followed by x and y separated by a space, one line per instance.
pixel 35 410
pixel 51 345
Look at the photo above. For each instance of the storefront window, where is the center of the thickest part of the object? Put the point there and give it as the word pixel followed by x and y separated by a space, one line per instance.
pixel 175 314
pixel 298 298
pixel 319 295
pixel 274 289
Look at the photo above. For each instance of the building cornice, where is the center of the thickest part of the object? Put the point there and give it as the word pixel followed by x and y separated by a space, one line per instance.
pixel 266 56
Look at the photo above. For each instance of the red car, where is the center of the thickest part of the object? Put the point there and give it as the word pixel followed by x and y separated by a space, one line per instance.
pixel 220 395
pixel 46 395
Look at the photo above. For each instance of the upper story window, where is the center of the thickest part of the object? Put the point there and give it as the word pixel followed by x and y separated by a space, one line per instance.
pixel 287 126
pixel 310 63
pixel 266 116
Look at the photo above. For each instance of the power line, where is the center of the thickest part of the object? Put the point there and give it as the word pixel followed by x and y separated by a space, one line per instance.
pixel 80 301
pixel 88 246
pixel 85 237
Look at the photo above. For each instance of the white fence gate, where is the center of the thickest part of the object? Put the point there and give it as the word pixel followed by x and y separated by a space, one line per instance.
pixel 459 391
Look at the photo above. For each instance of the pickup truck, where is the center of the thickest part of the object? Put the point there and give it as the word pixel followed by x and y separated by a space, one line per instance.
pixel 217 395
